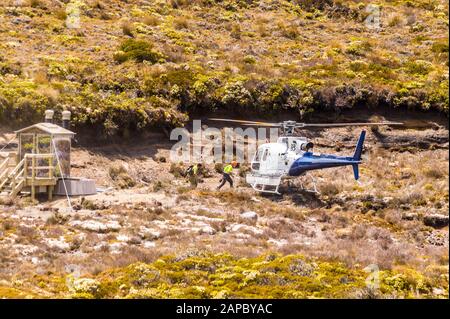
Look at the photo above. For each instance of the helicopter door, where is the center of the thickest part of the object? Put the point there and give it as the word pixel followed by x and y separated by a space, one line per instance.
pixel 266 161
pixel 256 163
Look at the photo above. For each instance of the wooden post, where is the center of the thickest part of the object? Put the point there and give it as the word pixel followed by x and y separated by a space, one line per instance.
pixel 13 182
pixel 50 176
pixel 50 193
pixel 50 164
pixel 25 168
pixel 33 177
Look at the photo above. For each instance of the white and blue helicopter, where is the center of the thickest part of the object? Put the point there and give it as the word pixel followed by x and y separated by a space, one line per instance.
pixel 292 156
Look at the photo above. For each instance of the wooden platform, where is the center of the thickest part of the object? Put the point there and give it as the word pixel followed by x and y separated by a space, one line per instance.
pixel 32 172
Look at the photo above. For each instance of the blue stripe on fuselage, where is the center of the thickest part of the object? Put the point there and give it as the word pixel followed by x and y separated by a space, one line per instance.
pixel 309 162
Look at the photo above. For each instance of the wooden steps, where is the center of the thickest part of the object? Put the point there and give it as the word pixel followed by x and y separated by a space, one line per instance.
pixel 28 175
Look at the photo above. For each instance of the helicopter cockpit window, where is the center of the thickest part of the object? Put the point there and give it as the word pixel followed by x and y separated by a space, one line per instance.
pixel 266 153
pixel 258 156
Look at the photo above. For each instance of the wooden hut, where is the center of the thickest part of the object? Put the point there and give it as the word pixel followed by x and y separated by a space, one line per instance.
pixel 43 156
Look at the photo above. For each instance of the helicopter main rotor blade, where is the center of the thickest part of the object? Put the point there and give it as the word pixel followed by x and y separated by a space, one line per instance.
pixel 244 122
pixel 262 124
pixel 300 125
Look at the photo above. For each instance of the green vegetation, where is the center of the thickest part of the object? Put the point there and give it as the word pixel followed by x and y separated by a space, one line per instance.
pixel 139 51
pixel 202 275
pixel 151 65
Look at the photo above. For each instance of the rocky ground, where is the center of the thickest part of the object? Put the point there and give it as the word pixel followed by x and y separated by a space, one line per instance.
pixel 395 217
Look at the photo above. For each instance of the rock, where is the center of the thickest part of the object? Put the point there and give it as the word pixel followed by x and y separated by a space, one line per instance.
pixel 240 228
pixel 436 220
pixel 438 291
pixel 410 216
pixel 19 20
pixel 437 238
pixel 123 238
pixel 256 200
pixel 250 216
pixel 149 234
pixel 207 230
pixel 343 233
pixel 96 226
pixel 149 244
pixel 116 248
pixel 57 244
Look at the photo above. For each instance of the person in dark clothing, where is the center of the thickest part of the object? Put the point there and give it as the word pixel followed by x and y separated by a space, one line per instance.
pixel 192 173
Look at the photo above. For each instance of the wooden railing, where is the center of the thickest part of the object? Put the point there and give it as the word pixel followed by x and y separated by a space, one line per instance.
pixel 49 171
pixel 15 179
pixel 3 173
pixel 3 168
pixel 21 176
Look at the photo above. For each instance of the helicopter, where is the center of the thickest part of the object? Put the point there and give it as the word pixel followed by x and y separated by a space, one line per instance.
pixel 292 156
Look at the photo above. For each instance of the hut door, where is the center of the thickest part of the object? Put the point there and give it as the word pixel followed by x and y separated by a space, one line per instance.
pixel 44 144
pixel 27 145
pixel 43 147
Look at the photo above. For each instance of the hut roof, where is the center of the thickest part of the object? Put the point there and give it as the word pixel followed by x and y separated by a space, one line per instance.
pixel 48 128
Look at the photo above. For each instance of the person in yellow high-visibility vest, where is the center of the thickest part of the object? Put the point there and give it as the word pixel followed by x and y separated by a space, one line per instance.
pixel 226 175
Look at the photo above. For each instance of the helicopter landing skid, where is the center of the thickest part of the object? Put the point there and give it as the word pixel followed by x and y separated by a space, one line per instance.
pixel 265 184
pixel 314 190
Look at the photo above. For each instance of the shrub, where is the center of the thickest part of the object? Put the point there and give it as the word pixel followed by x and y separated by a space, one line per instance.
pixel 235 31
pixel 137 50
pixel 57 219
pixel 181 23
pixel 119 174
pixel 439 47
pixel 249 59
pixel 358 48
pixel 218 167
pixel 329 189
pixel 395 21
pixel 151 20
pixel 289 32
pixel 177 170
pixel 8 201
pixel 312 5
pixel 61 14
pixel 36 4
pixel 434 173
pixel 128 29
pixel 420 67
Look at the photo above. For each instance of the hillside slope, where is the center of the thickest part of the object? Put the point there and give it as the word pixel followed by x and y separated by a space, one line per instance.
pixel 149 235
pixel 122 66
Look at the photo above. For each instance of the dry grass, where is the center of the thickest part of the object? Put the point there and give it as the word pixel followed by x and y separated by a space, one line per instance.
pixel 128 28
pixel 181 23
pixel 151 20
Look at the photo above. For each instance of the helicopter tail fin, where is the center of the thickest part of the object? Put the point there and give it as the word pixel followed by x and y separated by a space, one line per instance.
pixel 357 155
pixel 359 147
